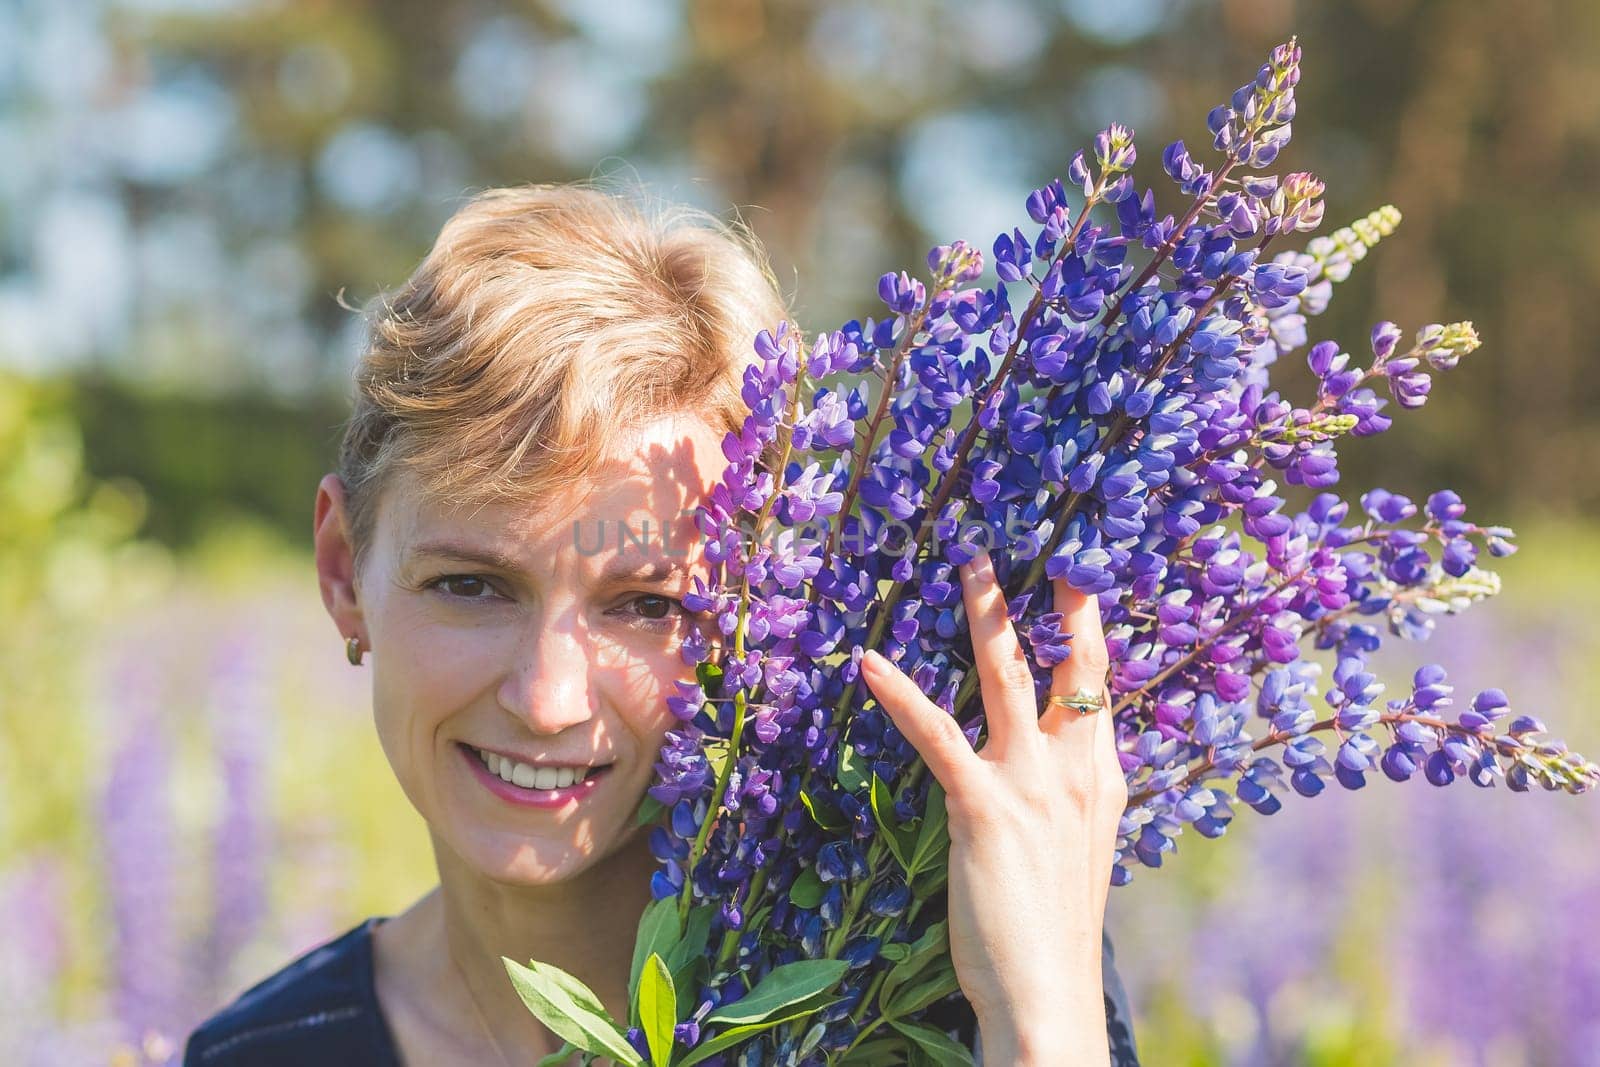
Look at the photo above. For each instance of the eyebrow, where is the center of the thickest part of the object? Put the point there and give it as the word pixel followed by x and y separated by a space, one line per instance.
pixel 619 568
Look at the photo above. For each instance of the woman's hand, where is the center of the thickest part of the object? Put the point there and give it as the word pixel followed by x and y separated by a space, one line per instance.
pixel 1033 827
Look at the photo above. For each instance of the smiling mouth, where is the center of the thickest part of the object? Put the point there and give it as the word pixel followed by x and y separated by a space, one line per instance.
pixel 528 776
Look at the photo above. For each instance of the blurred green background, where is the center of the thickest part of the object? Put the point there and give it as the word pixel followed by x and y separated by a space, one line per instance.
pixel 194 192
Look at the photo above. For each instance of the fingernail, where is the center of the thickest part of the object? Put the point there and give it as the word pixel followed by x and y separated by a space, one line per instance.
pixel 872 662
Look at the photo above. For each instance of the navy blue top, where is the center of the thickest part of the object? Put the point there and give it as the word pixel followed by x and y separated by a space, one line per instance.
pixel 321 1010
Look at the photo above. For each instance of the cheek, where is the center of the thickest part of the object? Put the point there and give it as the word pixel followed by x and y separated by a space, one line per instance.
pixel 423 672
pixel 639 692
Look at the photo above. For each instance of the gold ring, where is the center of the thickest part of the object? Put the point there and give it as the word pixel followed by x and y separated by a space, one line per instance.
pixel 1083 702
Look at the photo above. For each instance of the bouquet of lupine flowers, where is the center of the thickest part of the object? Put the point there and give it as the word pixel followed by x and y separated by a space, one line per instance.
pixel 1088 417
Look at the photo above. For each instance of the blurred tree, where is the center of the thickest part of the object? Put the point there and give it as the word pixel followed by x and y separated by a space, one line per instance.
pixel 203 183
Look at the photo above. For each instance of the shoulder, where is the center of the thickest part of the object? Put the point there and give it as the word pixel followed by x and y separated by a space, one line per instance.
pixel 319 1007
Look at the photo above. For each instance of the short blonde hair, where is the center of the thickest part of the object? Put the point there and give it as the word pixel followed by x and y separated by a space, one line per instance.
pixel 546 320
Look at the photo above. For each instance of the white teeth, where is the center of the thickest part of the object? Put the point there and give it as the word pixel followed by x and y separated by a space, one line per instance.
pixel 529 777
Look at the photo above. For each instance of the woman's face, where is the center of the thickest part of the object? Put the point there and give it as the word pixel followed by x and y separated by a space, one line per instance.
pixel 544 632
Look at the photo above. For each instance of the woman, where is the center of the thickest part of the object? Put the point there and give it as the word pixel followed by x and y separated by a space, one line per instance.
pixel 563 366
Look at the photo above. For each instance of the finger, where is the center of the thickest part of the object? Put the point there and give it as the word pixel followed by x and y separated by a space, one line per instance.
pixel 934 734
pixel 1010 706
pixel 1084 669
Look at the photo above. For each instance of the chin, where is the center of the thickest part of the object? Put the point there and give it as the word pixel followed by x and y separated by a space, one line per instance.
pixel 518 859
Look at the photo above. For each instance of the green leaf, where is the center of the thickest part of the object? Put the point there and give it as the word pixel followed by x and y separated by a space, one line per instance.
pixel 934 943
pixel 879 1052
pixel 658 1009
pixel 783 986
pixel 716 752
pixel 709 675
pixel 940 1049
pixel 823 812
pixel 924 990
pixel 933 839
pixel 900 841
pixel 883 803
pixel 658 933
pixel 687 979
pixel 650 810
pixel 930 868
pixel 812 1039
pixel 807 890
pixel 687 959
pixel 570 1009
pixel 756 918
pixel 895 951
pixel 929 882
pixel 558 1058
pixel 738 1034
pixel 850 777
pixel 696 932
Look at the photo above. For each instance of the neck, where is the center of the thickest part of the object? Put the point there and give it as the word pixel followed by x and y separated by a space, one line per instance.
pixel 584 925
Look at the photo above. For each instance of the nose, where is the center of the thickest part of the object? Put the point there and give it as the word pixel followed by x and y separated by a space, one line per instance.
pixel 548 687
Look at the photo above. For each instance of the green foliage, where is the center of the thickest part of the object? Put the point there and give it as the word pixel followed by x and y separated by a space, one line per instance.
pixel 570 1009
pixel 203 461
pixel 658 1009
pixel 911 960
pixel 901 841
pixel 783 987
pixel 682 953
pixel 66 557
pixel 807 891
pixel 938 1048
pixel 823 811
pixel 851 776
pixel 650 811
pixel 658 933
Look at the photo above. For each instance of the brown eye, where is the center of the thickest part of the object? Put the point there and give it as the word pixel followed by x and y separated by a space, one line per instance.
pixel 654 607
pixel 462 586
pixel 653 611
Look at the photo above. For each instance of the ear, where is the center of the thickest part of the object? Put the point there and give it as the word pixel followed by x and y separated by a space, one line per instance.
pixel 336 563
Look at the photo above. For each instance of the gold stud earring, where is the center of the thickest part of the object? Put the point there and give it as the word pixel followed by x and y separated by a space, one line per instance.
pixel 352 650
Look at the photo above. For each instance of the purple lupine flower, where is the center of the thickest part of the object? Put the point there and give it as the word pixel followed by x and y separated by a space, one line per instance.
pixel 138 838
pixel 34 958
pixel 1101 428
pixel 240 714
